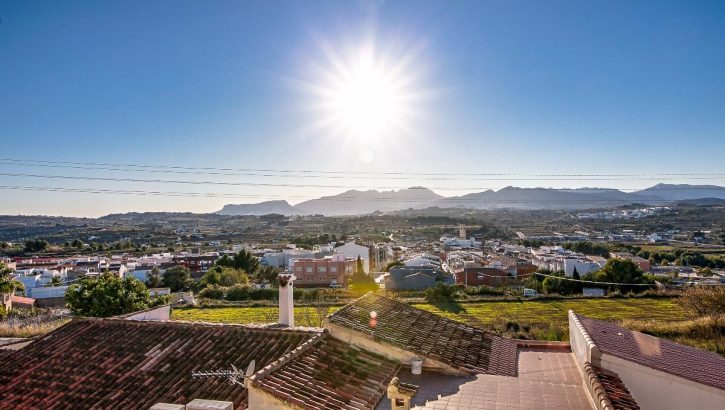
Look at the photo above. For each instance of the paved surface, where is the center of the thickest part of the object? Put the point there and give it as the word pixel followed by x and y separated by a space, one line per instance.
pixel 546 380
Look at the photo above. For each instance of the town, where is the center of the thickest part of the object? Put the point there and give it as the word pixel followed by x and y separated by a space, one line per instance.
pixel 362 205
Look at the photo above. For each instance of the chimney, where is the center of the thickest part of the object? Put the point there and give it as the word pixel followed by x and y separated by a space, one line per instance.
pixel 286 302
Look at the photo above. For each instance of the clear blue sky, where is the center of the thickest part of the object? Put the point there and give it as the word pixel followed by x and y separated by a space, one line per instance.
pixel 530 87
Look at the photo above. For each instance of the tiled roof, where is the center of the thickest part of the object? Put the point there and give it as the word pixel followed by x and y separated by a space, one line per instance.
pixel 616 391
pixel 456 344
pixel 688 362
pixel 329 374
pixel 608 390
pixel 136 364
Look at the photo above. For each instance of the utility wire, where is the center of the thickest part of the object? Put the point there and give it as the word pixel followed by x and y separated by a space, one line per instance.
pixel 285 185
pixel 325 198
pixel 309 174
pixel 364 173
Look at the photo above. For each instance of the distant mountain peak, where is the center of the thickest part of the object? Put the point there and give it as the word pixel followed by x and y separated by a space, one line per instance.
pixel 355 202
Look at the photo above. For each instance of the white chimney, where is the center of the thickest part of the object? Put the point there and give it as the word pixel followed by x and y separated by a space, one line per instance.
pixel 286 302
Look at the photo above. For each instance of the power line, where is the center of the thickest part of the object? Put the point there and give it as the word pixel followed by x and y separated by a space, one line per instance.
pixel 262 196
pixel 364 174
pixel 265 184
pixel 593 282
pixel 306 176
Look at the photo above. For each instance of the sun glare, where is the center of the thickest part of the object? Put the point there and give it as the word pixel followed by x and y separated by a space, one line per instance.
pixel 366 99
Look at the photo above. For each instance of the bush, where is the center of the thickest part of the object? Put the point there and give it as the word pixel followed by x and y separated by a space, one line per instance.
pixel 703 300
pixel 237 293
pixel 441 293
pixel 213 292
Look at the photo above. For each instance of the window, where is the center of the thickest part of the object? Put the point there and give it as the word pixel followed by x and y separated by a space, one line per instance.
pixel 309 269
pixel 321 269
pixel 299 269
pixel 333 268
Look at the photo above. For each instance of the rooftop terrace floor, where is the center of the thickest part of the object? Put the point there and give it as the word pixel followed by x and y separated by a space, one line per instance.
pixel 546 380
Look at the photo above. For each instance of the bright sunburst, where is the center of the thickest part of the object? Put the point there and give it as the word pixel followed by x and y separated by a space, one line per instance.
pixel 366 98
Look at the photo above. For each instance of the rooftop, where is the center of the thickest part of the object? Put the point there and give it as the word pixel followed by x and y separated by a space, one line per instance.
pixel 329 374
pixel 688 362
pixel 456 344
pixel 136 364
pixel 546 380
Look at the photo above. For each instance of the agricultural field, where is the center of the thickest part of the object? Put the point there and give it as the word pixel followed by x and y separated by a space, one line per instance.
pixel 544 319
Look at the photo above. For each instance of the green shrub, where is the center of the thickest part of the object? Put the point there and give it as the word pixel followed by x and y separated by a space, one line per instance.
pixel 237 293
pixel 441 293
pixel 213 292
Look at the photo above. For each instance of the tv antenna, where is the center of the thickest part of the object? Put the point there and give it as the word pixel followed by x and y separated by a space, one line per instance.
pixel 234 375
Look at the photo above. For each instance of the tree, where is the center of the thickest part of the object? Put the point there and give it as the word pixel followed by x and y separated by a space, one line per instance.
pixel 35 245
pixel 154 277
pixel 360 283
pixel 7 283
pixel 242 260
pixel 54 282
pixel 703 300
pixel 359 268
pixel 224 276
pixel 267 273
pixel 177 278
pixel 619 271
pixel 107 295
pixel 77 243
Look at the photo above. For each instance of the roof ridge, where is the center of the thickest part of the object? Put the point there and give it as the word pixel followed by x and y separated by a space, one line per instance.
pixel 596 388
pixel 296 352
pixel 194 323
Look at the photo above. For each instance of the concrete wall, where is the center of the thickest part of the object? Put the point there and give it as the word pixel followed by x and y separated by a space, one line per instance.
pixel 159 313
pixel 657 390
pixel 258 399
pixel 581 344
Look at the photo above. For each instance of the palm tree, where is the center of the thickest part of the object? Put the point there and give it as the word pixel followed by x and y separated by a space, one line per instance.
pixel 55 281
pixel 8 284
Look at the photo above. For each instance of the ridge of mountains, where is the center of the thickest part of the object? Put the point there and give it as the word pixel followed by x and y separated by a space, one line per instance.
pixel 355 202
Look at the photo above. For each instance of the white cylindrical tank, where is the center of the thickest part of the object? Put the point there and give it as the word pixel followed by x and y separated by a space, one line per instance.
pixel 416 365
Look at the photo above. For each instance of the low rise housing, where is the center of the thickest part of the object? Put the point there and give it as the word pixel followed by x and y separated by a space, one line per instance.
pixel 335 269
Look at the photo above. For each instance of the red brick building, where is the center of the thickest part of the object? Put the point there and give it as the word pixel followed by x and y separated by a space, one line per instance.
pixel 323 272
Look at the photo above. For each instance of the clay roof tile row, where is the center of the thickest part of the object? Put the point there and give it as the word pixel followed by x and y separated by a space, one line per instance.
pixel 133 364
pixel 434 336
pixel 329 374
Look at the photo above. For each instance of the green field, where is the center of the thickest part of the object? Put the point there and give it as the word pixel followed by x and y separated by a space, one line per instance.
pixel 486 314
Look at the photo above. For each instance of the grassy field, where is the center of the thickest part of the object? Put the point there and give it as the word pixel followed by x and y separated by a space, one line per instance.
pixel 492 315
pixel 534 319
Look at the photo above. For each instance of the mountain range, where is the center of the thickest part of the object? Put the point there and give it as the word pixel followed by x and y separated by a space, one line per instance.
pixel 355 202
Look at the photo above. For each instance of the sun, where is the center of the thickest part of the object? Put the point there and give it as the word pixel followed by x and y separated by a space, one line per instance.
pixel 365 99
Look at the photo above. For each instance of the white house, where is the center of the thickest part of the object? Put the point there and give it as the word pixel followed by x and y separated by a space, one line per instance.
pixel 582 266
pixel 353 250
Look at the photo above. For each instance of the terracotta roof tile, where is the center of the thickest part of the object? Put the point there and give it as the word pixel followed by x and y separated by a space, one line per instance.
pixel 616 391
pixel 430 335
pixel 329 374
pixel 136 364
pixel 688 362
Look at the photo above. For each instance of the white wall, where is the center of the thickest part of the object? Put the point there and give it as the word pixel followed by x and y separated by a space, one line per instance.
pixel 657 390
pixel 353 250
pixel 160 313
pixel 652 389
